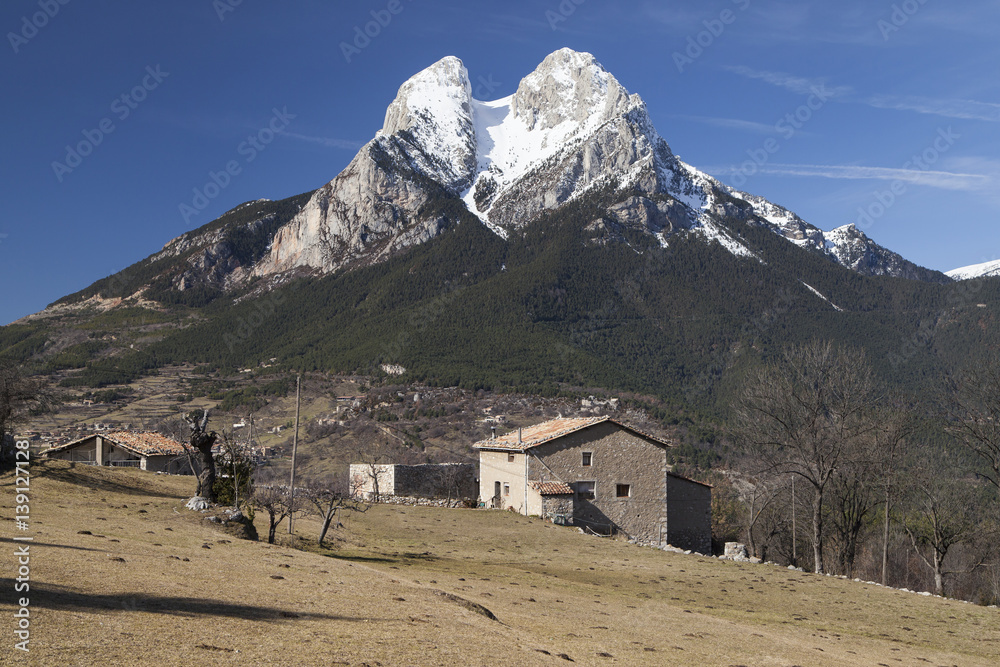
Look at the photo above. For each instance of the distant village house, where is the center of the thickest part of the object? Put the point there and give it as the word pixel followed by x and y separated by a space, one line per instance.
pixel 600 474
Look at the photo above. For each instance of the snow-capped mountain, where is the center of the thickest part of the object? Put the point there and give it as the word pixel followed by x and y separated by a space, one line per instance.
pixel 984 270
pixel 569 128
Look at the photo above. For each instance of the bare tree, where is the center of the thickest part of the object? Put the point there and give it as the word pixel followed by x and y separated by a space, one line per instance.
pixel 940 516
pixel 757 495
pixel 806 416
pixel 852 502
pixel 19 395
pixel 889 444
pixel 272 497
pixel 202 444
pixel 328 496
pixel 235 486
pixel 371 456
pixel 974 416
pixel 452 476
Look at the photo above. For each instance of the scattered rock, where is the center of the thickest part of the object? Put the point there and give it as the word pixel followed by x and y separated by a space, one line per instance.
pixel 233 522
pixel 736 551
pixel 197 504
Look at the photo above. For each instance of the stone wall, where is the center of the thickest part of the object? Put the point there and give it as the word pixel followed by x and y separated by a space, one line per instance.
pixel 430 480
pixel 436 480
pixel 557 509
pixel 689 514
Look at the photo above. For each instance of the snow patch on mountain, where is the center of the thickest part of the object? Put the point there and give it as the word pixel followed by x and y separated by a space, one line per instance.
pixel 984 270
pixel 820 295
pixel 569 128
pixel 712 232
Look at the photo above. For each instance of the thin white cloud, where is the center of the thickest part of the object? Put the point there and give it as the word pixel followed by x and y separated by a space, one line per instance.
pixel 731 123
pixel 945 180
pixel 795 84
pixel 328 142
pixel 953 108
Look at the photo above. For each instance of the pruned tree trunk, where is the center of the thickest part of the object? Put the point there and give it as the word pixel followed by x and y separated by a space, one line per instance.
pixel 885 539
pixel 817 536
pixel 327 520
pixel 202 443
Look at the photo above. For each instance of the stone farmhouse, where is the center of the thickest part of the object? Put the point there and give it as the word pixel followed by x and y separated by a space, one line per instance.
pixel 145 450
pixel 600 474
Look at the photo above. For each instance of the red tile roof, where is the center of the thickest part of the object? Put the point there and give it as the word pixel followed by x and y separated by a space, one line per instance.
pixel 552 488
pixel 550 430
pixel 143 443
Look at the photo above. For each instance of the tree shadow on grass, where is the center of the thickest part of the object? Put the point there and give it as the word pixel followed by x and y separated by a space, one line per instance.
pixel 361 559
pixel 53 597
pixel 46 545
pixel 94 477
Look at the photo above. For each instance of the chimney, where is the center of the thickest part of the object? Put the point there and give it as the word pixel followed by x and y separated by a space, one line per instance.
pixel 494 430
pixel 519 435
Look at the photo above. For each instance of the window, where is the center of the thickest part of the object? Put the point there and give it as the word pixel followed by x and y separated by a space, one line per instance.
pixel 506 489
pixel 588 457
pixel 510 458
pixel 586 490
pixel 623 490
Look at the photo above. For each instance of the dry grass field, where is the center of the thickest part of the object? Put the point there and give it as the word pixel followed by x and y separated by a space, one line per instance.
pixel 121 574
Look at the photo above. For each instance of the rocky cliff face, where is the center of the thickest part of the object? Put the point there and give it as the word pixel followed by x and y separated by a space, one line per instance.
pixel 569 128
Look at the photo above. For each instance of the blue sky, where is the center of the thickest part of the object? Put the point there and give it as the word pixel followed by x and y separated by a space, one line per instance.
pixel 833 110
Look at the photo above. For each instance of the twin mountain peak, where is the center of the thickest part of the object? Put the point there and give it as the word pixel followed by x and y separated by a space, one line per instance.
pixel 570 129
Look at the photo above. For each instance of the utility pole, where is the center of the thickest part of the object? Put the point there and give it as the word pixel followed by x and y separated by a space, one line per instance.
pixel 295 446
pixel 795 558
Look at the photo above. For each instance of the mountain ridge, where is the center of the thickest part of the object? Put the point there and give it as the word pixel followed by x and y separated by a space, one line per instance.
pixel 570 128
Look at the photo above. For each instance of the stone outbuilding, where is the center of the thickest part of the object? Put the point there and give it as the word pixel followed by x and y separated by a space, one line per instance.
pixel 145 450
pixel 426 480
pixel 600 474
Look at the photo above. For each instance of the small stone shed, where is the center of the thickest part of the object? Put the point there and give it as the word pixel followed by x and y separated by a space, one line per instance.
pixel 145 450
pixel 600 474
pixel 426 480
